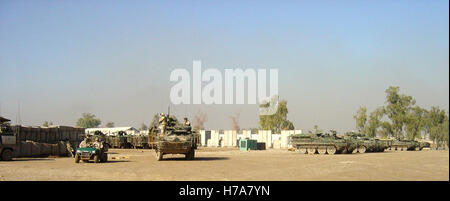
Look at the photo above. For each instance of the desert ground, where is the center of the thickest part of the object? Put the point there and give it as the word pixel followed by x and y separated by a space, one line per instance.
pixel 225 164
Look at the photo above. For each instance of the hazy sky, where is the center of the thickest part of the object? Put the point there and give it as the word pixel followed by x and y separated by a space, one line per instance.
pixel 59 59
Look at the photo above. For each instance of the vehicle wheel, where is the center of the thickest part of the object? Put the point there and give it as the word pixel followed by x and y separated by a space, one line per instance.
pixel 7 155
pixel 302 150
pixel 159 155
pixel 362 149
pixel 355 151
pixel 322 150
pixel 77 158
pixel 96 159
pixel 311 150
pixel 331 150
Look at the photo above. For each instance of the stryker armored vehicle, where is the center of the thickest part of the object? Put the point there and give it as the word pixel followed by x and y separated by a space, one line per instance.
pixel 176 139
pixel 407 145
pixel 366 144
pixel 7 140
pixel 321 143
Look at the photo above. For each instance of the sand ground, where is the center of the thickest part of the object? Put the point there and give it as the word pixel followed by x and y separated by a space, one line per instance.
pixel 232 164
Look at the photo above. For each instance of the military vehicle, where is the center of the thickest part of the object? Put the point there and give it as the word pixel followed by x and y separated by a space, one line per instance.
pixel 102 137
pixel 321 143
pixel 118 141
pixel 366 144
pixel 7 140
pixel 91 153
pixel 176 139
pixel 139 141
pixel 407 145
pixel 92 150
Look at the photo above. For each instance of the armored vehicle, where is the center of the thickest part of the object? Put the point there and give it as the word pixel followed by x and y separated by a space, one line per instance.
pixel 321 143
pixel 366 144
pixel 407 145
pixel 7 140
pixel 92 149
pixel 176 139
pixel 139 141
pixel 118 141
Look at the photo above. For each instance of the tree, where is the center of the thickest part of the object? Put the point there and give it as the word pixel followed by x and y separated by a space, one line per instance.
pixel 436 122
pixel 155 121
pixel 361 119
pixel 235 121
pixel 403 117
pixel 143 127
pixel 386 129
pixel 88 120
pixel 277 121
pixel 397 108
pixel 110 125
pixel 374 122
pixel 445 130
pixel 199 120
pixel 414 122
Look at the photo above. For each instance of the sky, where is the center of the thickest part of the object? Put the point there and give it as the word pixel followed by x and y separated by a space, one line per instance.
pixel 59 59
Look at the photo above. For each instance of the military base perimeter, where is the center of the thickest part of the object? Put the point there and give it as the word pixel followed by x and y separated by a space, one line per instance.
pixel 174 150
pixel 220 94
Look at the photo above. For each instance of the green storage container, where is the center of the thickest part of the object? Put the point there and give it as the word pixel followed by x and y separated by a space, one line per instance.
pixel 247 144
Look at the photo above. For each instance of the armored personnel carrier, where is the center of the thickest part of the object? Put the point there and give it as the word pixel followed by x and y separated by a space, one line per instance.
pixel 366 144
pixel 321 143
pixel 7 140
pixel 176 139
pixel 407 145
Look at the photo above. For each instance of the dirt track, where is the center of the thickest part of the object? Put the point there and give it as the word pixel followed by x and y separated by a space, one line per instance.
pixel 232 164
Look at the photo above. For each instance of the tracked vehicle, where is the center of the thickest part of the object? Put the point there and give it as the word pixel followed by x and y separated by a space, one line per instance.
pixel 407 145
pixel 321 144
pixel 366 144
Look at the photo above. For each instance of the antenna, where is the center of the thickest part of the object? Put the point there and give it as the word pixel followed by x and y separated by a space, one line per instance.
pixel 18 120
pixel 168 111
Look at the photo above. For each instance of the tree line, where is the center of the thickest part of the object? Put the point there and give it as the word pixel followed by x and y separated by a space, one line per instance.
pixel 401 118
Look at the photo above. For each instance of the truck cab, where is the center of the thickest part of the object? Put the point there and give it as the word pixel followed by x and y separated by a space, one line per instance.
pixel 7 140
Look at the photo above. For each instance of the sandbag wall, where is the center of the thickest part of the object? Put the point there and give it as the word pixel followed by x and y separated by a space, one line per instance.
pixel 30 149
pixel 49 135
pixel 41 141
